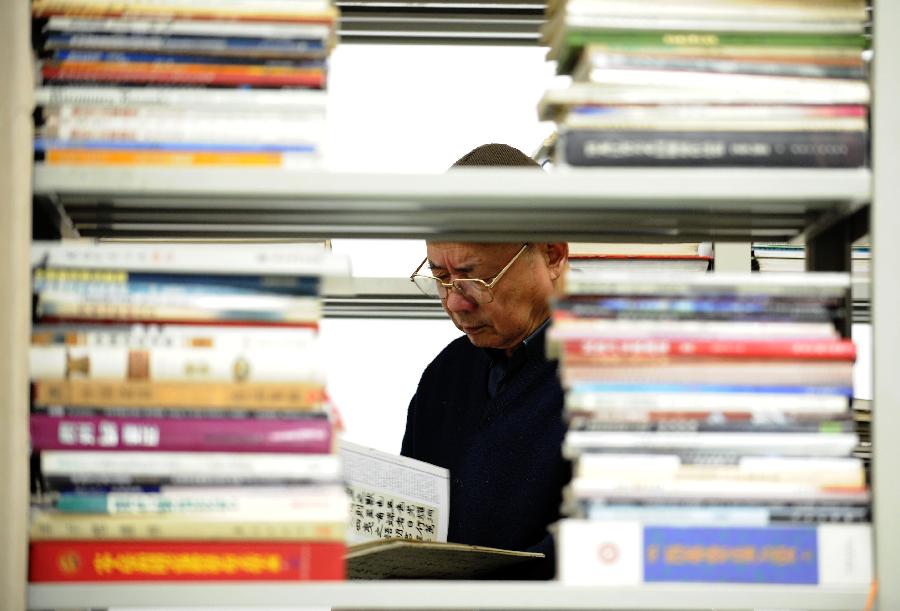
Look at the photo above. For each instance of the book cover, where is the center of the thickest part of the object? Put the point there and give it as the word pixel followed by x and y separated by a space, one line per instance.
pixel 255 396
pixel 112 561
pixel 406 559
pixel 303 436
pixel 630 553
pixel 819 149
pixel 215 526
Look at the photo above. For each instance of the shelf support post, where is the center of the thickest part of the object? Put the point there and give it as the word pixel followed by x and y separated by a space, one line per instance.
pixel 16 95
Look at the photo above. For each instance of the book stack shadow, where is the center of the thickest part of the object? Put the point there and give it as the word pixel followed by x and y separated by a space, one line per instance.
pixel 182 83
pixel 716 84
pixel 710 430
pixel 180 428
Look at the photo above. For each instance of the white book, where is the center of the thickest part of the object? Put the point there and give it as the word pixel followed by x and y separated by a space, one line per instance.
pixel 577 18
pixel 175 364
pixel 176 336
pixel 380 483
pixel 781 444
pixel 255 259
pixel 635 406
pixel 556 101
pixel 824 284
pixel 90 465
pixel 256 100
pixel 717 9
pixel 190 27
pixel 708 329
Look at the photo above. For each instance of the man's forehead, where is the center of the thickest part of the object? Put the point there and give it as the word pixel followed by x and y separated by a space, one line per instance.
pixel 466 252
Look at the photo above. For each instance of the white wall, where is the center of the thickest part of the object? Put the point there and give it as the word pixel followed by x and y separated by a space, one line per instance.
pixel 413 109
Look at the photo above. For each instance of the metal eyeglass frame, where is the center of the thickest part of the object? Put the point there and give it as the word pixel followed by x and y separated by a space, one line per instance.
pixel 455 284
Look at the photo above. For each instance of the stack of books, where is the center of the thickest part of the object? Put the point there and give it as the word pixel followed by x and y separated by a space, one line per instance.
pixel 710 431
pixel 780 257
pixel 182 82
pixel 688 256
pixel 764 83
pixel 180 427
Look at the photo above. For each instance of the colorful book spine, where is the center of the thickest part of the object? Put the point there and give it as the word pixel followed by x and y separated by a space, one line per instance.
pixel 112 561
pixel 822 149
pixel 175 527
pixel 175 364
pixel 183 74
pixel 631 553
pixel 601 349
pixel 231 396
pixel 306 436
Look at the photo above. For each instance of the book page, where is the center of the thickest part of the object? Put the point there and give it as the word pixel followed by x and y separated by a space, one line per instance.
pixel 393 496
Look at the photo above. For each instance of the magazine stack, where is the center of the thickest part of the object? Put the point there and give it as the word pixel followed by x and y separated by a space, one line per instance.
pixel 182 83
pixel 723 83
pixel 180 427
pixel 710 430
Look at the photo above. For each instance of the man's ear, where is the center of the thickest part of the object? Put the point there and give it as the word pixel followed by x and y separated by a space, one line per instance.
pixel 557 256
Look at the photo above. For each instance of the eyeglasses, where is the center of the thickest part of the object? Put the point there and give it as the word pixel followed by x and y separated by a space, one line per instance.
pixel 474 289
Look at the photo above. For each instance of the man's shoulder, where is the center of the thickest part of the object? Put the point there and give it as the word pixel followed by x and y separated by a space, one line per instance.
pixel 459 352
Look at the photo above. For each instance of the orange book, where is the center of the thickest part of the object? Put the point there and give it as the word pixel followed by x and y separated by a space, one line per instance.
pixel 167 158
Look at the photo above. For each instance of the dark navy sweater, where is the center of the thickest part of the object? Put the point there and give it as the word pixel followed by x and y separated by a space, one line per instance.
pixel 497 425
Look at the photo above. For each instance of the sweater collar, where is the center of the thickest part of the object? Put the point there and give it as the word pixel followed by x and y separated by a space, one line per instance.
pixel 531 346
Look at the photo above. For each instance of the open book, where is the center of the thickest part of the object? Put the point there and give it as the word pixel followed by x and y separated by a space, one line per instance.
pixel 406 559
pixel 399 514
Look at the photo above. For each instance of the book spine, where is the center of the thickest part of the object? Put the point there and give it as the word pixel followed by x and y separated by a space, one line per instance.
pixel 649 404
pixel 51 8
pixel 50 527
pixel 278 260
pixel 823 373
pixel 307 436
pixel 182 98
pixel 175 27
pixel 707 422
pixel 175 364
pixel 184 309
pixel 306 503
pixel 630 553
pixel 111 561
pixel 187 74
pixel 716 330
pixel 762 149
pixel 92 281
pixel 180 395
pixel 723 515
pixel 165 158
pixel 187 337
pixel 163 467
pixel 599 349
pixel 219 47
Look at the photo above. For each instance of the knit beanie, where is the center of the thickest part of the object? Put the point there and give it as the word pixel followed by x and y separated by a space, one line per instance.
pixel 495 155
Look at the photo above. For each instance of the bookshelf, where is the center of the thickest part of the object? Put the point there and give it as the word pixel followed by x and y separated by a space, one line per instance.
pixel 825 208
pixel 456 595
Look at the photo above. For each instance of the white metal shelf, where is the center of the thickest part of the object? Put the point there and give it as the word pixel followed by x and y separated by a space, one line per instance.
pixel 450 595
pixel 627 204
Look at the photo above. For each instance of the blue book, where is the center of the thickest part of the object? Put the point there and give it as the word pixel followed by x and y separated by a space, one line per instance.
pixel 44 144
pixel 630 553
pixel 161 58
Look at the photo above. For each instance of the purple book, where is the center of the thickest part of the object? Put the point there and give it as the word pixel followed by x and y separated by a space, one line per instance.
pixel 307 436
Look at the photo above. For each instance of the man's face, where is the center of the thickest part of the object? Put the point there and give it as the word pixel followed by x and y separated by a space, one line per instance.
pixel 521 296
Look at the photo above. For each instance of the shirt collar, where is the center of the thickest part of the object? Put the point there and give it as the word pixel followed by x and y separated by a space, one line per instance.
pixel 531 346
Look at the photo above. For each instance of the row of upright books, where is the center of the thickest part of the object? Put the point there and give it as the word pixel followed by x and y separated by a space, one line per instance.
pixel 710 431
pixel 180 426
pixel 720 83
pixel 182 82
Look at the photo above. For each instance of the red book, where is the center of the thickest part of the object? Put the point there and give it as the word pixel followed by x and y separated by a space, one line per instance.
pixel 624 349
pixel 179 74
pixel 108 561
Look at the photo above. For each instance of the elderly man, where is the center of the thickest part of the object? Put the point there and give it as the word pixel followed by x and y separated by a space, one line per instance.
pixel 489 407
